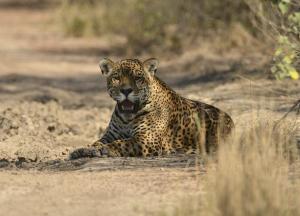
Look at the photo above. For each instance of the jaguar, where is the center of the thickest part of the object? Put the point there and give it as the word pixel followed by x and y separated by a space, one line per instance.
pixel 151 119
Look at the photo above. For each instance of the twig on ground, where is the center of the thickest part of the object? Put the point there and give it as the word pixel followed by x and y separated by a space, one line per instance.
pixel 295 107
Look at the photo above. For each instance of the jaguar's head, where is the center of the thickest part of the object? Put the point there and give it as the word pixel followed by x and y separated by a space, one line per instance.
pixel 129 82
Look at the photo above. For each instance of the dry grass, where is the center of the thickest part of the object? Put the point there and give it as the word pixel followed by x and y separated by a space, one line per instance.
pixel 252 176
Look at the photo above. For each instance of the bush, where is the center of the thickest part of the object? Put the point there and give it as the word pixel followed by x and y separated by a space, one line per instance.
pixel 279 20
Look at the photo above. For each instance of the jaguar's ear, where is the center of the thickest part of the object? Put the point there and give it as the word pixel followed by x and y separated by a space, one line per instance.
pixel 106 66
pixel 150 65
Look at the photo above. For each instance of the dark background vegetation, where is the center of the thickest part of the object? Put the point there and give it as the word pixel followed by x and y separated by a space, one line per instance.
pixel 172 27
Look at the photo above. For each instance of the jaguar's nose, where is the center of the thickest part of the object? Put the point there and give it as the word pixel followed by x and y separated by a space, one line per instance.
pixel 126 92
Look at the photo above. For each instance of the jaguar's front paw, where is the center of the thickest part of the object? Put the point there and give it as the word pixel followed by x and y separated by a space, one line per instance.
pixel 85 152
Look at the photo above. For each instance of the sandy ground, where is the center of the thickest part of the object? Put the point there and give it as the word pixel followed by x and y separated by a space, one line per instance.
pixel 53 99
pixel 138 192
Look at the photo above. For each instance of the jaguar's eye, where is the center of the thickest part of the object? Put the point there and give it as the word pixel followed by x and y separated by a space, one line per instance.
pixel 115 79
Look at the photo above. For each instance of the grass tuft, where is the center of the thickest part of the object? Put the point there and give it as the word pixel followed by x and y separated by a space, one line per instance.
pixel 252 176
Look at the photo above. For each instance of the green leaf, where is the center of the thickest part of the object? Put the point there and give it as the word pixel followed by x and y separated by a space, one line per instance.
pixel 287 60
pixel 278 51
pixel 295 19
pixel 281 67
pixel 297 16
pixel 283 7
pixel 294 74
pixel 283 40
pixel 274 69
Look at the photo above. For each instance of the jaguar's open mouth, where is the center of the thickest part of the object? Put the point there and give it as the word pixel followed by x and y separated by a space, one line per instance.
pixel 127 106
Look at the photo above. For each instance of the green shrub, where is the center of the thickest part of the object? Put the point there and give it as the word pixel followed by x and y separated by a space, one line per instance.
pixel 286 52
pixel 280 22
